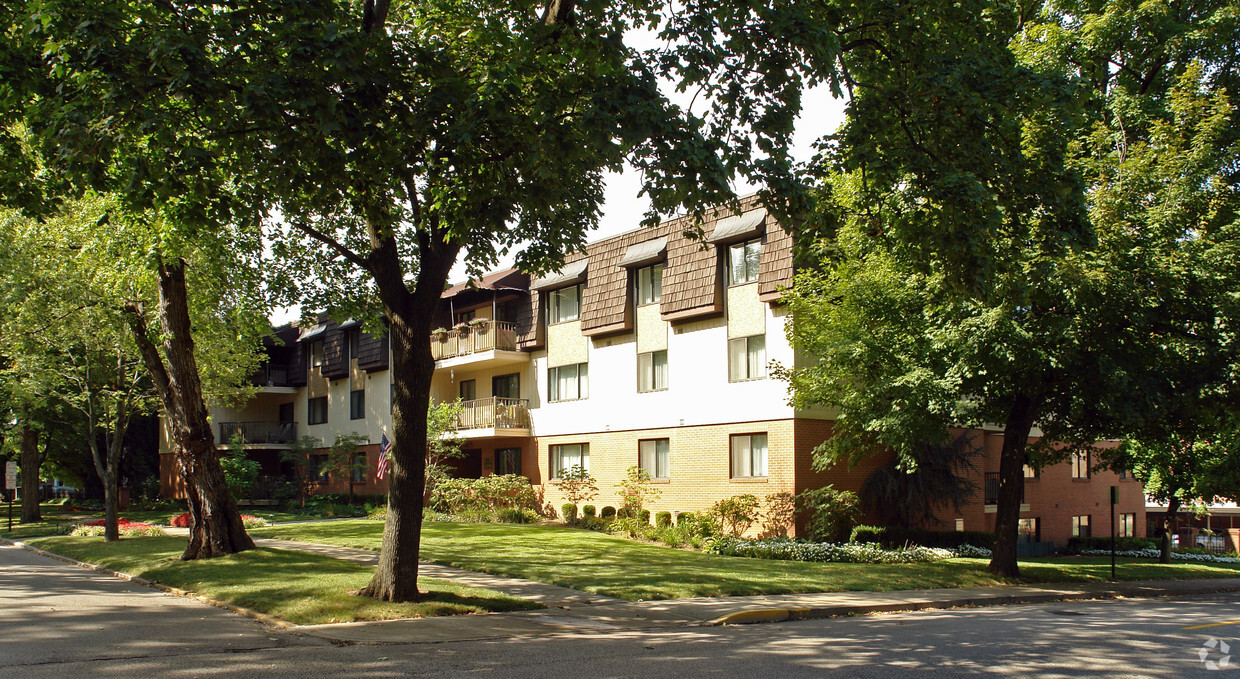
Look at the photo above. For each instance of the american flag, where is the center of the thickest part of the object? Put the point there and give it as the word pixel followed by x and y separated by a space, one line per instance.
pixel 385 447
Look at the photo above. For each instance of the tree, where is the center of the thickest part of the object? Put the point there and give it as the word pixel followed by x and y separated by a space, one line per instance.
pixel 636 490
pixel 906 498
pixel 971 270
pixel 442 442
pixel 342 460
pixel 576 484
pixel 240 471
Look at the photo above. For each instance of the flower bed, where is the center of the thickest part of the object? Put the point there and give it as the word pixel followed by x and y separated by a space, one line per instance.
pixel 125 526
pixel 184 520
pixel 1153 554
pixel 792 550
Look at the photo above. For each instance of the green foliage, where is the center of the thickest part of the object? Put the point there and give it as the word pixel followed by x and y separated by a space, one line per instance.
pixel 442 442
pixel 576 484
pixel 588 511
pixel 898 536
pixel 609 512
pixel 569 511
pixel 636 490
pixel 1076 544
pixel 481 499
pixel 734 515
pixel 780 515
pixel 516 515
pixel 240 471
pixel 940 478
pixel 663 519
pixel 831 514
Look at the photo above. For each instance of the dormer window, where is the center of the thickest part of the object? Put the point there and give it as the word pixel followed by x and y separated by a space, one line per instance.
pixel 564 304
pixel 316 354
pixel 649 284
pixel 743 262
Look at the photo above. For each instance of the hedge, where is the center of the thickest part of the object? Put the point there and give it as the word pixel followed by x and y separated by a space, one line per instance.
pixel 896 536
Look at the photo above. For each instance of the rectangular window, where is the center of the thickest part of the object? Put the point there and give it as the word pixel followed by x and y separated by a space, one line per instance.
pixel 568 382
pixel 649 284
pixel 355 343
pixel 1080 465
pixel 1127 526
pixel 1027 530
pixel 359 468
pixel 1030 472
pixel 357 404
pixel 743 262
pixel 316 354
pixel 653 455
pixel 469 390
pixel 317 469
pixel 747 358
pixel 652 371
pixel 1080 526
pixel 748 456
pixel 506 386
pixel 1124 474
pixel 465 316
pixel 508 461
pixel 316 410
pixel 570 455
pixel 564 304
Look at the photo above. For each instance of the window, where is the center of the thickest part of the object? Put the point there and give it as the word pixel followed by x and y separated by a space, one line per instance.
pixel 469 390
pixel 652 371
pixel 317 469
pixel 747 358
pixel 1080 526
pixel 568 382
pixel 959 525
pixel 564 304
pixel 748 456
pixel 743 262
pixel 507 386
pixel 316 410
pixel 508 461
pixel 1127 526
pixel 358 474
pixel 355 343
pixel 316 354
pixel 652 455
pixel 1080 465
pixel 465 316
pixel 1027 530
pixel 1124 474
pixel 357 404
pixel 649 284
pixel 567 456
pixel 1031 472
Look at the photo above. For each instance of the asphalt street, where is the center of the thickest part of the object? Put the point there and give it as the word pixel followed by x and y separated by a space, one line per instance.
pixel 60 621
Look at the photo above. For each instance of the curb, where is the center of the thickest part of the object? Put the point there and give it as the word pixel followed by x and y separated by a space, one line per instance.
pixel 120 575
pixel 766 615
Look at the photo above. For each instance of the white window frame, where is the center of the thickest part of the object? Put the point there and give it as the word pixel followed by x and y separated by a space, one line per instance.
pixel 575 453
pixel 743 262
pixel 579 381
pixel 648 282
pixel 555 312
pixel 749 455
pixel 654 456
pixel 652 371
pixel 316 354
pixel 753 367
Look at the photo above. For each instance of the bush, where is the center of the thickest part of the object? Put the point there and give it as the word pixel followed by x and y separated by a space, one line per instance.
pixel 588 512
pixel 623 513
pixel 672 536
pixel 180 521
pixel 684 519
pixel 632 527
pixel 831 513
pixel 594 523
pixel 569 510
pixel 895 536
pixel 644 516
pixel 794 550
pixel 663 519
pixel 780 513
pixel 253 521
pixel 124 527
pixel 517 515
pixel 479 499
pixel 609 512
pixel 736 514
pixel 1078 545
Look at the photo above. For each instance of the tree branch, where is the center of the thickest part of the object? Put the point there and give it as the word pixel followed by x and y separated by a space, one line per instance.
pixel 334 244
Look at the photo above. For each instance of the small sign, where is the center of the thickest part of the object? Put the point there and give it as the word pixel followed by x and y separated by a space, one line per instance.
pixel 10 475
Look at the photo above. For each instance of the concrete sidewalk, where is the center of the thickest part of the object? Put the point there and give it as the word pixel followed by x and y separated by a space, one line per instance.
pixel 571 611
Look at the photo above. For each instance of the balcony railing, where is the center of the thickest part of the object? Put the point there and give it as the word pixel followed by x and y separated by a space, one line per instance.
pixel 258 432
pixel 991 489
pixel 477 338
pixel 271 375
pixel 495 412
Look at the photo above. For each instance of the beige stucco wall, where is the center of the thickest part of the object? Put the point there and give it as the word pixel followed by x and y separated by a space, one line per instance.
pixel 651 329
pixel 566 345
pixel 746 315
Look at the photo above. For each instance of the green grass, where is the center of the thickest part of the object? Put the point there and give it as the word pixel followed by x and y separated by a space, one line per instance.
pixel 57 519
pixel 301 588
pixel 625 569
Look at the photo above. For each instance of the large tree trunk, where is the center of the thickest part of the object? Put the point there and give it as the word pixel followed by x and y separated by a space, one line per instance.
pixel 1169 526
pixel 30 475
pixel 215 527
pixel 111 503
pixel 1011 486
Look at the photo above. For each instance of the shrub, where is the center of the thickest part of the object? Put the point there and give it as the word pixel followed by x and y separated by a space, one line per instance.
pixel 569 510
pixel 636 490
pixel 623 513
pixel 609 512
pixel 253 521
pixel 780 515
pixel 632 527
pixel 594 523
pixel 895 536
pixel 588 511
pixel 481 498
pixel 644 516
pixel 1079 545
pixel 124 527
pixel 794 550
pixel 180 521
pixel 663 519
pixel 517 515
pixel 735 514
pixel 576 484
pixel 831 513
pixel 684 519
pixel 672 536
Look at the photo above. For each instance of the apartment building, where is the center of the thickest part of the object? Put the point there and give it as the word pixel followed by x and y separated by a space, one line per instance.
pixel 650 349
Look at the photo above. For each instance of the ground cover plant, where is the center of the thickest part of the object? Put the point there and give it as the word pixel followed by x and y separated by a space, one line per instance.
pixel 614 566
pixel 301 588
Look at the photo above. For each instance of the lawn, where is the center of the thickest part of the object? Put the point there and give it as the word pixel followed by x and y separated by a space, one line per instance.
pixel 301 588
pixel 625 569
pixel 57 518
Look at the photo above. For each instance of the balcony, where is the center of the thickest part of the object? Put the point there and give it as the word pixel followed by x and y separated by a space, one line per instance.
pixel 258 434
pixel 991 493
pixel 488 345
pixel 273 378
pixel 495 416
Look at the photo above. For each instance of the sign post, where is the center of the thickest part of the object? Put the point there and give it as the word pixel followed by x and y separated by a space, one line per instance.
pixel 10 484
pixel 1114 501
